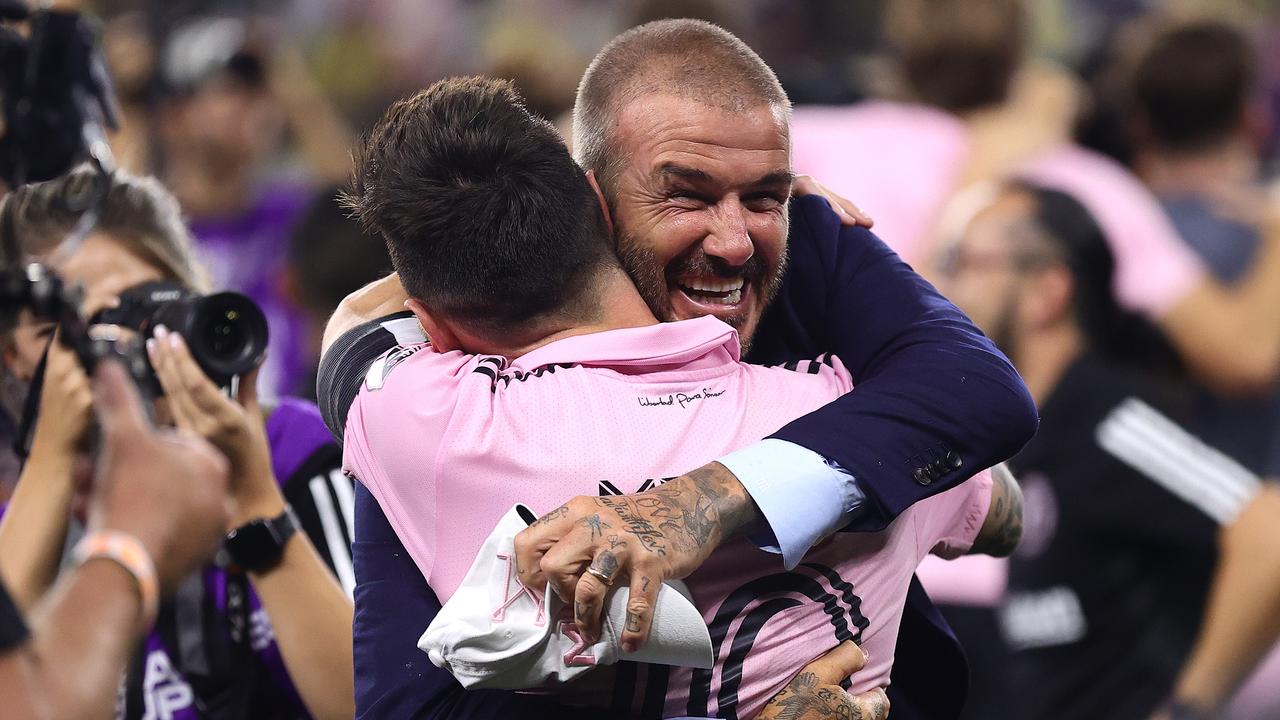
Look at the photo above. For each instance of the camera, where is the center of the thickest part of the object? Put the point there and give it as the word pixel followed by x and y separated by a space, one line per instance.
pixel 56 98
pixel 226 332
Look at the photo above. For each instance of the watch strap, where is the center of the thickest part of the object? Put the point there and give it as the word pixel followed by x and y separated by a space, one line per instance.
pixel 279 529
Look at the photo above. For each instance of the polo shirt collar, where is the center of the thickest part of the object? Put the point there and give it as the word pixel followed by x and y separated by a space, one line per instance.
pixel 662 344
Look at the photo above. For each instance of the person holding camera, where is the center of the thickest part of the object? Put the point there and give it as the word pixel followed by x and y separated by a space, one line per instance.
pixel 67 664
pixel 266 632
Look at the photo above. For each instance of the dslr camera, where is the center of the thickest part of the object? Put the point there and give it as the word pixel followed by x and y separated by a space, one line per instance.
pixel 226 332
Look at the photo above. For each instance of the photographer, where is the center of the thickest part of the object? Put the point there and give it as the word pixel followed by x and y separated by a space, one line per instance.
pixel 221 648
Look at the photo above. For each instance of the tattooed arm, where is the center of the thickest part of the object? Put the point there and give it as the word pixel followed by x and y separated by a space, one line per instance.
pixel 1002 529
pixel 582 547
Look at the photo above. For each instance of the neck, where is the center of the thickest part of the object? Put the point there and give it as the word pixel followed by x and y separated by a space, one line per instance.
pixel 1044 358
pixel 619 306
pixel 1197 173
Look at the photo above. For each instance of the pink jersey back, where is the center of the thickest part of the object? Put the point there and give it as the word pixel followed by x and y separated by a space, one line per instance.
pixel 447 443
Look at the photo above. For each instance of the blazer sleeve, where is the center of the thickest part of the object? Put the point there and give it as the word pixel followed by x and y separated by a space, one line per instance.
pixel 934 400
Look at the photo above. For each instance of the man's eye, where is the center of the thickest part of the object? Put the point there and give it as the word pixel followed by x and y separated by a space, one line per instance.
pixel 686 198
pixel 763 203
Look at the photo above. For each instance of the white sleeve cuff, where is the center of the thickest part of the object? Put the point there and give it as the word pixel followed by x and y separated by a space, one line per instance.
pixel 803 496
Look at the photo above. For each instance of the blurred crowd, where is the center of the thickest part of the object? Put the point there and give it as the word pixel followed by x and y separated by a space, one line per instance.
pixel 1160 118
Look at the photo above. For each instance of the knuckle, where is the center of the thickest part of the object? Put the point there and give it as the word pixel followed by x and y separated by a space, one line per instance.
pixel 639 606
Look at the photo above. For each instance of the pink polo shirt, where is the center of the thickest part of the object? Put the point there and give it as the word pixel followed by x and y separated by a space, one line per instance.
pixel 448 442
pixel 902 164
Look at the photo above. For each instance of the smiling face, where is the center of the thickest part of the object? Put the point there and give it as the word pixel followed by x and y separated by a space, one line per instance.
pixel 700 207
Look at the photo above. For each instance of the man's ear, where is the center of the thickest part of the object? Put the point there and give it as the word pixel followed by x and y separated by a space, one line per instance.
pixel 442 337
pixel 604 206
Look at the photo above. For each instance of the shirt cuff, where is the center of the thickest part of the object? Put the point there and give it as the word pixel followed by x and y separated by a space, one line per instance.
pixel 803 496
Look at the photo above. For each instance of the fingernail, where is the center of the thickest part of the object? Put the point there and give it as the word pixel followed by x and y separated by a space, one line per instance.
pixel 629 646
pixel 151 347
pixel 175 340
pixel 161 331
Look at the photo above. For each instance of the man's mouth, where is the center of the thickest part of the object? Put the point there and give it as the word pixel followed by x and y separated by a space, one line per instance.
pixel 711 291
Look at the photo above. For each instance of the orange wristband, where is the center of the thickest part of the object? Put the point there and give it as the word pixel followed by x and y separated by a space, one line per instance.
pixel 126 551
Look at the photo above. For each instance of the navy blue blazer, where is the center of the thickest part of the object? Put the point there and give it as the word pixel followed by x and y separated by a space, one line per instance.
pixel 934 403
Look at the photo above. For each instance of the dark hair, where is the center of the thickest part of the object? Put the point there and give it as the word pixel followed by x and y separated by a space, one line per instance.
pixel 331 255
pixel 1112 331
pixel 958 55
pixel 488 219
pixel 1192 87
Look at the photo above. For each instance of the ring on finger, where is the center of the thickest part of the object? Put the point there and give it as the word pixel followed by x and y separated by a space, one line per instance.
pixel 599 574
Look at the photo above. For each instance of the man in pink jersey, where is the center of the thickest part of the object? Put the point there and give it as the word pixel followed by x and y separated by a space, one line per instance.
pixel 568 382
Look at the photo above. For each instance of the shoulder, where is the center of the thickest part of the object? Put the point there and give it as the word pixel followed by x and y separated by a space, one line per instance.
pixel 816 233
pixel 346 364
pixel 1142 432
pixel 295 432
pixel 824 373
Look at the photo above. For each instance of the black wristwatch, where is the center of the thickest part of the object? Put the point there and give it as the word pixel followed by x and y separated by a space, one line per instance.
pixel 258 545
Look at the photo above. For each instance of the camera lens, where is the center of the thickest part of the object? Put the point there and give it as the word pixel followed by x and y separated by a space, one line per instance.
pixel 227 334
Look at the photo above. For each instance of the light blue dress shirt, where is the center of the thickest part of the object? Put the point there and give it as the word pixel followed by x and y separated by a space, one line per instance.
pixel 803 496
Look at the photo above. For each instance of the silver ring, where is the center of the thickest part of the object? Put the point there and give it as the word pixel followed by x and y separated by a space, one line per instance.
pixel 608 581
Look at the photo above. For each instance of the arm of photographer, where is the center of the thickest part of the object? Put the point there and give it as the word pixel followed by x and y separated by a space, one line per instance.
pixel 310 613
pixel 34 527
pixel 83 632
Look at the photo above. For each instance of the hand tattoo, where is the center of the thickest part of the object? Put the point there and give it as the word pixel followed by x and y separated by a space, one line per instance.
pixel 606 564
pixel 633 622
pixel 595 523
pixel 553 515
pixel 690 515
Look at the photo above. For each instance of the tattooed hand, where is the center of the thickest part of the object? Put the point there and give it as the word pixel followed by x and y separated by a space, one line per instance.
pixel 815 692
pixel 639 540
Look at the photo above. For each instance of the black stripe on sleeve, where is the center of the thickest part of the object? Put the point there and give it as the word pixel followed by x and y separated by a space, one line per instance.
pixel 344 366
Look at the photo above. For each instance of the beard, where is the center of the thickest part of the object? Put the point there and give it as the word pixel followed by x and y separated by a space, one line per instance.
pixel 1003 332
pixel 655 282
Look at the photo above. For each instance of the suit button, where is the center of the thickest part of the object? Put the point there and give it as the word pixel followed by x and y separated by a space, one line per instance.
pixel 953 458
pixel 922 476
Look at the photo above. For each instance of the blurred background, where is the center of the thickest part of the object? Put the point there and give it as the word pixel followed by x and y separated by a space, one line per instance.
pixel 247 111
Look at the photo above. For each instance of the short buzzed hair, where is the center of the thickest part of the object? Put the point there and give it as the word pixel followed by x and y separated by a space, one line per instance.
pixel 487 218
pixel 686 58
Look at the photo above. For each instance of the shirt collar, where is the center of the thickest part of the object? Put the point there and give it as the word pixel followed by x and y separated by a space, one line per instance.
pixel 662 344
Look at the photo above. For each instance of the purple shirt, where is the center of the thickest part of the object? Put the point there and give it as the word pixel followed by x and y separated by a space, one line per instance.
pixel 247 253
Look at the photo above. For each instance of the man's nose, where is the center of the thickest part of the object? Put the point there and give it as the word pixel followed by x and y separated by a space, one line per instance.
pixel 728 238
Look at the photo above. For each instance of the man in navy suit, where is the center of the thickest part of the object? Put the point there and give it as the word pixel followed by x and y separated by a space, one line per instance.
pixel 685 130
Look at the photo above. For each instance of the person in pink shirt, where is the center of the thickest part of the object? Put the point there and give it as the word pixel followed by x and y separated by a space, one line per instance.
pixel 559 381
pixel 976 114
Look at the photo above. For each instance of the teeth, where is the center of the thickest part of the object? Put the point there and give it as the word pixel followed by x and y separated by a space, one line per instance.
pixel 715 285
pixel 732 298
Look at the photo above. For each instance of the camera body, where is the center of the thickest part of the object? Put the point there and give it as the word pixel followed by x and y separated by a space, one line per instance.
pixel 226 332
pixel 55 95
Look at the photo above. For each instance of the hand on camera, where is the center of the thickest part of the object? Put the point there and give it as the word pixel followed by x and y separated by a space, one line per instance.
pixel 235 427
pixel 167 490
pixel 66 404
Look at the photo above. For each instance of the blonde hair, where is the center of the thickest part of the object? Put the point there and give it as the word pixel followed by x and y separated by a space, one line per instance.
pixel 139 213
